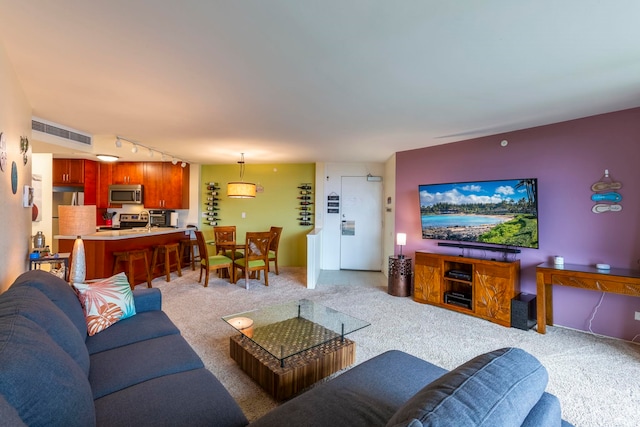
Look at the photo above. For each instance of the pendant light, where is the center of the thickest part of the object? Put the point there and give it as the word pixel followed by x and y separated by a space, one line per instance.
pixel 241 189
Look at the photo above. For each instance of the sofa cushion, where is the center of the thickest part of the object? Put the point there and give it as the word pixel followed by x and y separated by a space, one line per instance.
pixel 106 301
pixel 366 395
pixel 191 398
pixel 9 415
pixel 34 305
pixel 59 292
pixel 142 326
pixel 39 379
pixel 122 367
pixel 546 413
pixel 496 388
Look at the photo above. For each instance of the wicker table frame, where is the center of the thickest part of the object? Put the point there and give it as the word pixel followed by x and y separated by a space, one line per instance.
pixel 299 372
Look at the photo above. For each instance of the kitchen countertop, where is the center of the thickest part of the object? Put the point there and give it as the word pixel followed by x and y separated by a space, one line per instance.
pixel 126 234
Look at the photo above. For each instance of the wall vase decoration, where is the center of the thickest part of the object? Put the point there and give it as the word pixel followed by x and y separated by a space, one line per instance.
pixel 14 177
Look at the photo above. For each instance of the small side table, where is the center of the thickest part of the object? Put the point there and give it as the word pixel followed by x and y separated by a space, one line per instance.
pixel 61 258
pixel 399 277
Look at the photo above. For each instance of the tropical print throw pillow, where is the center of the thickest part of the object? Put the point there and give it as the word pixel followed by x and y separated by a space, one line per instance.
pixel 105 302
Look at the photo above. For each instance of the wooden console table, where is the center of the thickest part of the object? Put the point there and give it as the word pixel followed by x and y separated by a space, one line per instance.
pixel 617 280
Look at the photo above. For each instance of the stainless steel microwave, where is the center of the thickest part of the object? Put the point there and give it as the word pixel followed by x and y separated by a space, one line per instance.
pixel 126 194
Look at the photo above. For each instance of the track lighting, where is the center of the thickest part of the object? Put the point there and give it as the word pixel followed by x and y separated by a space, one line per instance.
pixel 135 146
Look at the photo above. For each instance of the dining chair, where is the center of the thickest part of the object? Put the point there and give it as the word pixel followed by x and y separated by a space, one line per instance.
pixel 273 246
pixel 256 257
pixel 226 234
pixel 213 262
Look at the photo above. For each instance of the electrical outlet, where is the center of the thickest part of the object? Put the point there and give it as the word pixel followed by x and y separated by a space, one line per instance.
pixel 637 316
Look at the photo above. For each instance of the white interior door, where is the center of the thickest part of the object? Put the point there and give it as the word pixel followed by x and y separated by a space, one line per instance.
pixel 361 224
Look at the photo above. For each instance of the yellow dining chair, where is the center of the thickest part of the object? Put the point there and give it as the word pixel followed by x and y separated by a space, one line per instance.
pixel 226 234
pixel 213 262
pixel 256 257
pixel 273 246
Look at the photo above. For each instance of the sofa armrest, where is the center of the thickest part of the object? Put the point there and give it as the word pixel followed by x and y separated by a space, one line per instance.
pixel 149 299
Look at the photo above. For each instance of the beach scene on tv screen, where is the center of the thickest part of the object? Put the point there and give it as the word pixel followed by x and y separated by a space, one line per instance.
pixel 500 212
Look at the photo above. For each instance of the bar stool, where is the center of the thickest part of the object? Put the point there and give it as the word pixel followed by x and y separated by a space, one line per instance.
pixel 129 258
pixel 166 250
pixel 190 245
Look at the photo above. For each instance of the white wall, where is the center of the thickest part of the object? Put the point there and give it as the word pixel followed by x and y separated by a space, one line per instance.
pixel 42 165
pixel 389 217
pixel 331 182
pixel 15 220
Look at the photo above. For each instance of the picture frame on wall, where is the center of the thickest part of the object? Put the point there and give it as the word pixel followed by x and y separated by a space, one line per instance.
pixel 27 196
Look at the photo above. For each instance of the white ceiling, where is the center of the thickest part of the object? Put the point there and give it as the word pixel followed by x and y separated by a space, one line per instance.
pixel 333 80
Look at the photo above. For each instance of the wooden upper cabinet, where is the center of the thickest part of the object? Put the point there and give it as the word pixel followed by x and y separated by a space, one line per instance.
pixel 166 186
pixel 127 173
pixel 68 172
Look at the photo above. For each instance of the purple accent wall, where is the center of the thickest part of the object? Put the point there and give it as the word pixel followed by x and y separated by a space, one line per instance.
pixel 567 158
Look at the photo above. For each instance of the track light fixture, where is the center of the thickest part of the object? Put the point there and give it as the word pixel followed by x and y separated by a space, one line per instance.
pixel 135 146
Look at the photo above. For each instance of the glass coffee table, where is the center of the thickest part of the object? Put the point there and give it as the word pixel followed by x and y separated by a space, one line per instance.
pixel 288 347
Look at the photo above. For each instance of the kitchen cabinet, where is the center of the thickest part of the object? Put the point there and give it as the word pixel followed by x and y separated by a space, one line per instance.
pixel 127 173
pixel 68 172
pixel 102 185
pixel 166 186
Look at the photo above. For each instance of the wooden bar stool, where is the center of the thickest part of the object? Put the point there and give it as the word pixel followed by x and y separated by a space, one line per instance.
pixel 130 257
pixel 166 250
pixel 189 245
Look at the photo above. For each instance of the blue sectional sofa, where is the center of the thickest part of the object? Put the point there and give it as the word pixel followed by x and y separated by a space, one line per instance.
pixel 503 388
pixel 139 371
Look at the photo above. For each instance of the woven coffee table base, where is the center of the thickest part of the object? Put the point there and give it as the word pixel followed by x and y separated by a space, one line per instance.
pixel 299 371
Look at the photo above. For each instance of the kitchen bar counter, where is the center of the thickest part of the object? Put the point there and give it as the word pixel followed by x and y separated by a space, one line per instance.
pixel 100 246
pixel 132 233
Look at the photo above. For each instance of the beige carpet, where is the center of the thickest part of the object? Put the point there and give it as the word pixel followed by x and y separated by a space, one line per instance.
pixel 597 379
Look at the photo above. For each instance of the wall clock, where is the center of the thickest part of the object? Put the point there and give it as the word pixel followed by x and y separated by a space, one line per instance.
pixel 3 152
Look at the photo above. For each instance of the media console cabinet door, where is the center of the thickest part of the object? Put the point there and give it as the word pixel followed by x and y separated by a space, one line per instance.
pixel 495 285
pixel 427 287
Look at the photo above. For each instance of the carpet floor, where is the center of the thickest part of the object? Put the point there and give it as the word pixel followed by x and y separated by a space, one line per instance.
pixel 597 379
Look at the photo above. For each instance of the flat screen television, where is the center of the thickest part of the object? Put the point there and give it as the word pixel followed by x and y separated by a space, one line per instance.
pixel 501 212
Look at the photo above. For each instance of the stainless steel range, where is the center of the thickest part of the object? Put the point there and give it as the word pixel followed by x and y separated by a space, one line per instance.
pixel 129 221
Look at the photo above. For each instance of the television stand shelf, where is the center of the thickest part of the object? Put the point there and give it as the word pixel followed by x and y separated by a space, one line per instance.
pixel 481 288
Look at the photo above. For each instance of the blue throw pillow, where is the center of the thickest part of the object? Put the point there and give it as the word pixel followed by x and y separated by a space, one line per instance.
pixel 59 292
pixel 495 389
pixel 41 381
pixel 34 305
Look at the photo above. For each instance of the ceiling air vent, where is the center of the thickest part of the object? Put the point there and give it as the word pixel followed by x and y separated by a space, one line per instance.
pixel 60 132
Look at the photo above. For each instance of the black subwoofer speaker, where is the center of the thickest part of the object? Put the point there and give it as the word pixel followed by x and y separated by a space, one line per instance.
pixel 523 311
